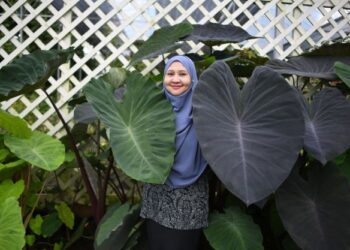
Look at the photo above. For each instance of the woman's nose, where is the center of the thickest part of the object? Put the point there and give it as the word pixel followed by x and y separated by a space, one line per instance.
pixel 176 78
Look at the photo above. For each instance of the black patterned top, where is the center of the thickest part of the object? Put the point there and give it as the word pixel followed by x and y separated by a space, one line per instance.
pixel 178 208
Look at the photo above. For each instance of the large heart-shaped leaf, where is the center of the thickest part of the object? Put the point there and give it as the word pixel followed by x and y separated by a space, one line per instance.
pixel 343 71
pixel 162 40
pixel 115 226
pixel 11 228
pixel 29 72
pixel 233 230
pixel 327 123
pixel 142 127
pixel 251 138
pixel 309 66
pixel 14 125
pixel 40 149
pixel 316 213
pixel 215 34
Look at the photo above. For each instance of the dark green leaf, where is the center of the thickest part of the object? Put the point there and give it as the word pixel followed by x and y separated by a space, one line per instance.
pixel 51 224
pixel 115 226
pixel 233 230
pixel 31 71
pixel 162 40
pixel 142 128
pixel 215 34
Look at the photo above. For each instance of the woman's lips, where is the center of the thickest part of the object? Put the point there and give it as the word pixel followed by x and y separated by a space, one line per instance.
pixel 175 86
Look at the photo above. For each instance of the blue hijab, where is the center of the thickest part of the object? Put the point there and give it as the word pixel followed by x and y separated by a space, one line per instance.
pixel 189 163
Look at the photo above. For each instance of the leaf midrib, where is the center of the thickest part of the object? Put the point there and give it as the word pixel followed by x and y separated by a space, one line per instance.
pixel 137 145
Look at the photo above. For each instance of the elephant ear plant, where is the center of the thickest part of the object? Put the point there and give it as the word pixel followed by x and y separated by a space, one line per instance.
pixel 143 148
pixel 257 142
pixel 31 72
pixel 141 128
pixel 251 138
pixel 21 148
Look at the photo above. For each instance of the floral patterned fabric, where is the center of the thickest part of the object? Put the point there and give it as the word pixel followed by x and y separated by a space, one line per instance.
pixel 178 208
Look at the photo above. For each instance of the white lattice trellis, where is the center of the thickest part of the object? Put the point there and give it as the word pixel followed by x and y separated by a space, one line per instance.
pixel 106 30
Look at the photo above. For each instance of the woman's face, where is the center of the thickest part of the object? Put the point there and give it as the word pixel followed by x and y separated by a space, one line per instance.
pixel 177 80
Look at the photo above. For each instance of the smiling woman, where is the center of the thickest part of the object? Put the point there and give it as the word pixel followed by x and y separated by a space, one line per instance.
pixel 177 211
pixel 177 80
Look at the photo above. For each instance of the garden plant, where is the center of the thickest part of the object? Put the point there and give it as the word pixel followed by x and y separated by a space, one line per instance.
pixel 274 132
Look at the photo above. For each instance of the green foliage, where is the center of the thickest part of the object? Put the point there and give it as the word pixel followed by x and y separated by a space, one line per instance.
pixel 115 76
pixel 132 120
pixel 343 162
pixel 233 230
pixel 40 149
pixel 65 214
pixel 30 72
pixel 9 189
pixel 343 71
pixel 143 148
pixel 58 246
pixel 51 224
pixel 3 154
pixel 14 125
pixel 212 34
pixel 162 41
pixel 11 227
pixel 35 224
pixel 30 239
pixel 116 226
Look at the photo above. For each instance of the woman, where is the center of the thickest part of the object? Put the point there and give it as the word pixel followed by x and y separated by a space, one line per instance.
pixel 177 211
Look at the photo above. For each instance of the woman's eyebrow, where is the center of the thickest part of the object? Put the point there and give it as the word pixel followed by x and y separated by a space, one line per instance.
pixel 180 70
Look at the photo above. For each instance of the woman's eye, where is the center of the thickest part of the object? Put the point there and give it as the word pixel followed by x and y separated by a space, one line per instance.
pixel 170 74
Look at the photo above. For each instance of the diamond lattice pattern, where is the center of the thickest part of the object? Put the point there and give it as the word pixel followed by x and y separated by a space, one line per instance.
pixel 106 31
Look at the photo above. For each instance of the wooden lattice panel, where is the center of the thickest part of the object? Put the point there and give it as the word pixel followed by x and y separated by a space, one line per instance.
pixel 106 30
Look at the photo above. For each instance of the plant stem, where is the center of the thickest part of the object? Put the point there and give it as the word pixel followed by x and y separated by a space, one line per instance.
pixel 90 191
pixel 27 179
pixel 132 194
pixel 29 216
pixel 98 137
pixel 138 189
pixel 116 190
pixel 120 184
pixel 103 190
